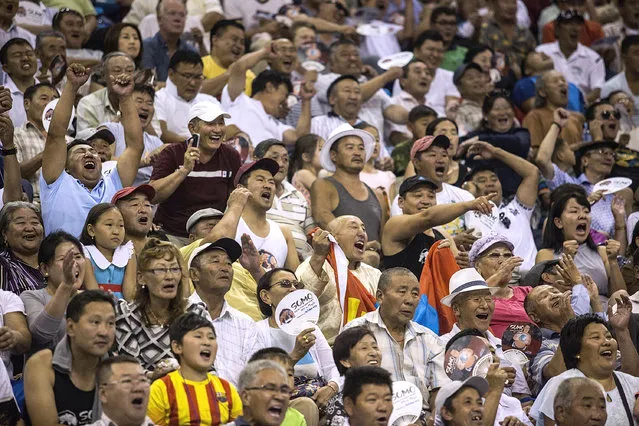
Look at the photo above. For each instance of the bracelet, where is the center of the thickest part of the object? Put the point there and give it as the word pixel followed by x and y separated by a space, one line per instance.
pixel 620 228
pixel 10 151
pixel 558 125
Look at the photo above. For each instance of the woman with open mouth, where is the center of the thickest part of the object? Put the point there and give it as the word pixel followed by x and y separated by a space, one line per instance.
pixel 568 231
pixel 590 350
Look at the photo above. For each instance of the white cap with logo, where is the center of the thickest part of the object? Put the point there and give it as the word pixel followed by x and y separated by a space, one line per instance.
pixel 206 111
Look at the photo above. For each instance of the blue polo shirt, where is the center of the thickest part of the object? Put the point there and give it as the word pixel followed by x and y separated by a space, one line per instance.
pixel 525 89
pixel 156 54
pixel 66 202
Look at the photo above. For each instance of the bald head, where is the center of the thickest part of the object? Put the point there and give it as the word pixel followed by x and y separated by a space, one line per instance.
pixel 341 221
pixel 350 233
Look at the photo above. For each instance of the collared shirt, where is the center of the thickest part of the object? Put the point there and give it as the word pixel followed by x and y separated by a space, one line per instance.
pixel 441 87
pixel 29 141
pixel 330 319
pixel 520 386
pixel 156 54
pixel 292 211
pixel 620 82
pixel 249 116
pixel 173 109
pixel 469 116
pixel 66 202
pixel 15 31
pixel 600 212
pixel 17 113
pixel 106 421
pixel 95 109
pixel 584 67
pixel 516 48
pixel 237 339
pixel 408 101
pixel 323 125
pixel 421 359
pixel 212 69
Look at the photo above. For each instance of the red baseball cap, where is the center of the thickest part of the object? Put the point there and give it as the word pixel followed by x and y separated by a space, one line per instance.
pixel 263 164
pixel 145 189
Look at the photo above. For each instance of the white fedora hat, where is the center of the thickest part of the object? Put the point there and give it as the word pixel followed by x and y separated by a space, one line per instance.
pixel 341 131
pixel 463 281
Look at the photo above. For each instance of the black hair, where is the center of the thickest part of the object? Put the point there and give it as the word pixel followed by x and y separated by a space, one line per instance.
pixel 591 110
pixel 420 111
pixel 635 257
pixel 75 308
pixel 571 335
pixel 464 332
pixel 31 90
pixel 345 341
pixel 406 68
pixel 337 81
pixel 358 377
pixel 265 284
pixel 342 41
pixel 432 126
pixel 112 40
pixel 186 322
pixel 186 57
pixel 6 216
pixel 363 125
pixel 104 370
pixel 564 189
pixel 50 243
pixel 306 144
pixel 272 353
pixel 632 245
pixel 145 88
pixel 427 35
pixel 476 50
pixel 4 52
pixel 273 77
pixel 628 42
pixel 553 237
pixel 301 24
pixel 57 18
pixel 220 27
pixel 489 101
pixel 262 148
pixel 442 11
pixel 92 218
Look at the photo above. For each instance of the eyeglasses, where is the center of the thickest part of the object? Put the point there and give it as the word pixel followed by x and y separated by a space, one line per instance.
pixel 127 383
pixel 164 271
pixel 288 284
pixel 605 153
pixel 271 388
pixel 607 114
pixel 191 77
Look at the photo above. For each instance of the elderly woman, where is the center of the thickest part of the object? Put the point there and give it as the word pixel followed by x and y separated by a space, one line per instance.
pixel 315 371
pixel 142 326
pixel 589 350
pixel 46 307
pixel 493 258
pixel 499 128
pixel 22 230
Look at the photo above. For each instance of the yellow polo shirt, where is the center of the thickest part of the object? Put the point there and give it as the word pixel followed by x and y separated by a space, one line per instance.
pixel 212 69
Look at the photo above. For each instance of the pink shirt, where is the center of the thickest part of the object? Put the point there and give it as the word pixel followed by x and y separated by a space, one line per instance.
pixel 510 310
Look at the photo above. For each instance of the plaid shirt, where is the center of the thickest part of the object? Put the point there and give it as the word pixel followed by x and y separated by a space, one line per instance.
pixel 420 361
pixel 515 49
pixel 30 142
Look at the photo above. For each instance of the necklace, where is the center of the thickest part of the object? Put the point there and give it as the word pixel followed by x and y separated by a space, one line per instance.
pixel 156 320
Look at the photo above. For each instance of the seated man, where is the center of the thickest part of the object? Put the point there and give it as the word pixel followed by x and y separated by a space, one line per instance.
pixel 202 222
pixel 411 352
pixel 418 120
pixel 345 99
pixel 67 196
pixel 193 343
pixel 135 205
pixel 319 275
pixel 124 392
pixel 74 26
pixel 473 306
pixel 368 395
pixel 12 30
pixel 211 271
pixel 60 385
pixel 474 85
pixel 104 105
pixel 580 401
pixel 19 64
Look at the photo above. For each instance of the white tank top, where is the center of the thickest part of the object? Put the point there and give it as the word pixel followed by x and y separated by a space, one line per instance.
pixel 273 248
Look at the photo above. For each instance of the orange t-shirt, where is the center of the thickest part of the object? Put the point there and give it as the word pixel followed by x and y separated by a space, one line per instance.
pixel 590 32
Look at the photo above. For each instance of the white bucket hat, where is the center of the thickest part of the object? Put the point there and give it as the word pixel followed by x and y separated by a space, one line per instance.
pixel 463 281
pixel 342 131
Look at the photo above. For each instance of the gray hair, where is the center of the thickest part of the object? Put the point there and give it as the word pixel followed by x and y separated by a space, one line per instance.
pixel 7 212
pixel 566 391
pixel 50 33
pixel 387 276
pixel 106 58
pixel 252 369
pixel 540 85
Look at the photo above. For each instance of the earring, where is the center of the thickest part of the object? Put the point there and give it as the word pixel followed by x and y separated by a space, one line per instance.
pixel 577 356
pixel 143 286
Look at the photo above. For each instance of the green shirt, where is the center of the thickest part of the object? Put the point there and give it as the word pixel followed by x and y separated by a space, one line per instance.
pixel 453 58
pixel 293 418
pixel 85 7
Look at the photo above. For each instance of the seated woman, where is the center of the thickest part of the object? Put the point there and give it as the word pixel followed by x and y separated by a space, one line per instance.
pixel 142 326
pixel 568 231
pixel 493 258
pixel 46 308
pixel 353 347
pixel 500 129
pixel 22 231
pixel 315 373
pixel 589 350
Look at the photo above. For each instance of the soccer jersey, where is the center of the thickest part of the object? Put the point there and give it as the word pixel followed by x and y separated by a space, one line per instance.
pixel 176 401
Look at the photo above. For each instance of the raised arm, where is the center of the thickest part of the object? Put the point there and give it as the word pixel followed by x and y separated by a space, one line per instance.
pixel 55 149
pixel 227 226
pixel 129 160
pixel 237 71
pixel 307 91
pixel 12 184
pixel 377 83
pixel 543 159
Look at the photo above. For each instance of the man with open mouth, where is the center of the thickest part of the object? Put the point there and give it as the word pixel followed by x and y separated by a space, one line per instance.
pixel 20 65
pixel 368 396
pixel 460 403
pixel 8 12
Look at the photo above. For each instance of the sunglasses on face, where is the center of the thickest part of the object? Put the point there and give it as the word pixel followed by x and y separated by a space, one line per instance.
pixel 607 114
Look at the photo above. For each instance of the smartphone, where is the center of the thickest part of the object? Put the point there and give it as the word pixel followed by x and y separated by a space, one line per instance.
pixel 193 141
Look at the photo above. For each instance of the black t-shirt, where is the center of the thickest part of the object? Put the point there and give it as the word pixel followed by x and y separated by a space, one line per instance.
pixel 414 255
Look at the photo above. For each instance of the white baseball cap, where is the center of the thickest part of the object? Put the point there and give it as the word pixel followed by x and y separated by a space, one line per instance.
pixel 206 111
pixel 476 382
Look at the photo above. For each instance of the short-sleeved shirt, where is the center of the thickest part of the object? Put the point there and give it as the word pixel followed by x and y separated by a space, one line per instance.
pixel 510 310
pixel 15 31
pixel 207 186
pixel 591 31
pixel 9 303
pixel 246 10
pixel 441 87
pixel 83 6
pixel 155 55
pixel 515 49
pixel 584 67
pixel 95 109
pixel 66 202
pixel 525 89
pixel 249 116
pixel 212 69
pixel 620 82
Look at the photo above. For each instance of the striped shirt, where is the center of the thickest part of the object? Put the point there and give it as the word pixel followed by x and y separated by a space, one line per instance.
pixel 16 276
pixel 420 361
pixel 175 401
pixel 30 142
pixel 292 211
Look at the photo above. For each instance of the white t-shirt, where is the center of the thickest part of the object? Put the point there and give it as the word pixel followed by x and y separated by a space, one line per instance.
pixel 378 178
pixel 448 195
pixel 246 10
pixel 441 86
pixel 34 13
pixel 616 414
pixel 9 303
pixel 250 117
pixel 273 248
